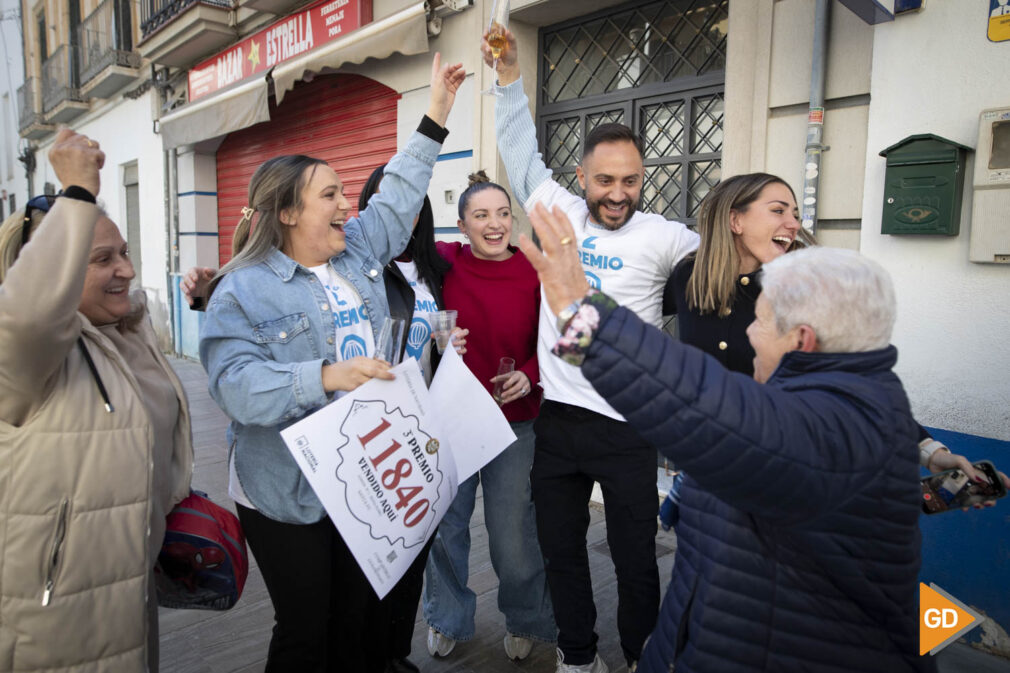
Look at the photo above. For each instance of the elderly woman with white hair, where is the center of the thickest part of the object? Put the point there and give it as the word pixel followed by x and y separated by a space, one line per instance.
pixel 798 547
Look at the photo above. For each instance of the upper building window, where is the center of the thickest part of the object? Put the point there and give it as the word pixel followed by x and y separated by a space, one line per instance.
pixel 633 47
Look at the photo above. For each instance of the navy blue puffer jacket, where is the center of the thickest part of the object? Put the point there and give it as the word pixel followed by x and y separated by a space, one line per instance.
pixel 798 545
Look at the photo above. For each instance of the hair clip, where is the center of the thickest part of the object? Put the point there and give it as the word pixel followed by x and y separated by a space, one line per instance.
pixel 247 212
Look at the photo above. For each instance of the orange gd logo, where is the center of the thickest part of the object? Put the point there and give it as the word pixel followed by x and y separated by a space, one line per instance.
pixel 942 619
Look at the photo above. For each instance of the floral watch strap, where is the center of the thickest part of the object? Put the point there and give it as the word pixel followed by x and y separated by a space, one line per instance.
pixel 578 332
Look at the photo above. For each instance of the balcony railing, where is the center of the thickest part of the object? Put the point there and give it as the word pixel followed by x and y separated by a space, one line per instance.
pixel 156 13
pixel 58 80
pixel 105 39
pixel 28 111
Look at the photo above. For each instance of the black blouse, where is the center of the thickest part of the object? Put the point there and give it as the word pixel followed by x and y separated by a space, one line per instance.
pixel 724 338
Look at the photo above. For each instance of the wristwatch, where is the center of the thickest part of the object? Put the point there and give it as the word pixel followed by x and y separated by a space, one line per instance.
pixel 567 313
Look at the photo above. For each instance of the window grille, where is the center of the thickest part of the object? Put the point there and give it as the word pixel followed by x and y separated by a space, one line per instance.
pixel 658 67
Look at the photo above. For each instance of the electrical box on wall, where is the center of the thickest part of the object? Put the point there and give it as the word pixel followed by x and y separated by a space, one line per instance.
pixel 923 186
pixel 990 211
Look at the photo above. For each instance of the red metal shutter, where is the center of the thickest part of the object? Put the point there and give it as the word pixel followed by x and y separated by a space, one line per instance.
pixel 347 120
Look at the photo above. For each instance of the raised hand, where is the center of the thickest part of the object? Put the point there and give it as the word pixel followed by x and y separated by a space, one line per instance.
pixel 558 264
pixel 508 61
pixel 76 160
pixel 445 82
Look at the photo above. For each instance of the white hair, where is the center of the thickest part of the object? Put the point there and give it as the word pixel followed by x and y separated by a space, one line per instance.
pixel 847 299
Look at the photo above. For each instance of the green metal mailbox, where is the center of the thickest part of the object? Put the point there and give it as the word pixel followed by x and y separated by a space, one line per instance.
pixel 923 186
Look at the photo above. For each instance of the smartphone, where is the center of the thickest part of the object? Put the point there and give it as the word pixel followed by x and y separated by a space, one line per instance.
pixel 952 489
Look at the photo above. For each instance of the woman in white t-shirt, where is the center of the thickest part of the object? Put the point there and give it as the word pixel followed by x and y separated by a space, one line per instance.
pixel 413 289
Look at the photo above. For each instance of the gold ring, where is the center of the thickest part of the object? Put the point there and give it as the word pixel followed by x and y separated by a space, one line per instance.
pixel 566 240
pixel 91 143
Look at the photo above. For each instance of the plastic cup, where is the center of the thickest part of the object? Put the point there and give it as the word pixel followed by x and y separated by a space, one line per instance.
pixel 442 325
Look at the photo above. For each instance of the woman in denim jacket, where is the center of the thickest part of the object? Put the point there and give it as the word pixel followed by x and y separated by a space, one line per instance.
pixel 287 329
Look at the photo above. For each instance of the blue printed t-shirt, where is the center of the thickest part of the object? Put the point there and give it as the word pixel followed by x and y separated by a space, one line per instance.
pixel 419 341
pixel 352 328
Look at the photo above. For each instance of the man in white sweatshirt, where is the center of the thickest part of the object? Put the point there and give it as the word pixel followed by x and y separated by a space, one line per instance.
pixel 580 438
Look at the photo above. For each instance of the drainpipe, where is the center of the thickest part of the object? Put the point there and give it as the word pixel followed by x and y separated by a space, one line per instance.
pixel 172 241
pixel 815 117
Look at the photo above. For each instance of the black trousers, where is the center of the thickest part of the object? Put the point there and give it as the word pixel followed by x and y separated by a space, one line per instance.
pixel 396 613
pixel 574 448
pixel 321 598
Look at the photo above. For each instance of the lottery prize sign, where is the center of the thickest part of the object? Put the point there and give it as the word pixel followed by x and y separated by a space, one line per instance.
pixel 382 462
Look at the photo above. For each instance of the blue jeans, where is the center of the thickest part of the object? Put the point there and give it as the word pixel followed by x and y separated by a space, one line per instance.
pixel 449 605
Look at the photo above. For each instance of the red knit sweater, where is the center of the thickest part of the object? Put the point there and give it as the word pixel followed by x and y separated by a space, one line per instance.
pixel 499 302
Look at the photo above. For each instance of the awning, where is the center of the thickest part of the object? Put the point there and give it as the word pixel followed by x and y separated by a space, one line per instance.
pixel 231 109
pixel 405 32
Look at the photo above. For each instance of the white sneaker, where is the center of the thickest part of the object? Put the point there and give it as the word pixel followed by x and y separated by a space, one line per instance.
pixel 517 647
pixel 598 666
pixel 439 644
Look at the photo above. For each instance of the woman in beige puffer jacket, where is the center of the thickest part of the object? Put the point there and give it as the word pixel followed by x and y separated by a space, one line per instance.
pixel 95 444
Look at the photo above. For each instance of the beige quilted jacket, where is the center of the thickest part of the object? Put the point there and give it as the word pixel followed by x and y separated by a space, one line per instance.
pixel 76 494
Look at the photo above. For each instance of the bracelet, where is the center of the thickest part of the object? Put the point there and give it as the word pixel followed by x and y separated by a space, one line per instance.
pixel 927 448
pixel 578 331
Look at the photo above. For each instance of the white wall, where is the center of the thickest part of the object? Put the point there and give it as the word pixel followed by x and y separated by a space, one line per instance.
pixel 125 133
pixel 12 172
pixel 954 316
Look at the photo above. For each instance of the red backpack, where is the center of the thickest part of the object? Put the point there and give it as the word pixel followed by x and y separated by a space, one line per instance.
pixel 203 562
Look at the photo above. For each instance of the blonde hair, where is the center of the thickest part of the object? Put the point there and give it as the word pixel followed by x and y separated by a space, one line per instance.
pixel 712 285
pixel 276 186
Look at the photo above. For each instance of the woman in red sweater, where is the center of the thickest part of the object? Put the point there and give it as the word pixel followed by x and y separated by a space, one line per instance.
pixel 497 296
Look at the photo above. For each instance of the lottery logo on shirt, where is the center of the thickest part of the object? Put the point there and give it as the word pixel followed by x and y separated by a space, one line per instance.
pixel 417 337
pixel 591 259
pixel 352 347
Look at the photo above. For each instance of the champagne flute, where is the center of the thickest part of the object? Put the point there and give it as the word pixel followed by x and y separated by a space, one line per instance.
pixel 387 345
pixel 496 28
pixel 505 367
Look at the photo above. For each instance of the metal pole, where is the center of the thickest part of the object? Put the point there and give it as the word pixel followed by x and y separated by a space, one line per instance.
pixel 815 117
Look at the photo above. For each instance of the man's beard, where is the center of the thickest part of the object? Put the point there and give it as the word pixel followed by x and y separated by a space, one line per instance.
pixel 596 208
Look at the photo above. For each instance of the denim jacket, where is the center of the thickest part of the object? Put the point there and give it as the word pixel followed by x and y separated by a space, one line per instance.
pixel 269 330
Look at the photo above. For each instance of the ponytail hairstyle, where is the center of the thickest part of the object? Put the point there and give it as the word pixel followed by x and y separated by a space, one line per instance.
pixel 13 235
pixel 276 186
pixel 431 266
pixel 478 182
pixel 712 285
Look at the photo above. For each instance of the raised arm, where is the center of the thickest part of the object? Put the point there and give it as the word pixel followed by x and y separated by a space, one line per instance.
pixel 41 291
pixel 385 225
pixel 516 134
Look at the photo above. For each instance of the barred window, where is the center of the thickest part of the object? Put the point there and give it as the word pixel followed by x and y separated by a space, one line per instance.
pixel 659 68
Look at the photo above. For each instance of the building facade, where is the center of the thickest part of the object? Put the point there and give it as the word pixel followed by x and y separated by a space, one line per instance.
pixel 187 97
